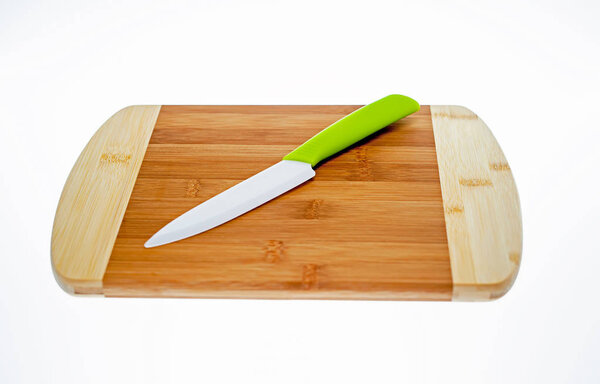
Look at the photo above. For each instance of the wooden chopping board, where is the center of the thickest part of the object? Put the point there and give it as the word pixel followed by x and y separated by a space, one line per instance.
pixel 426 209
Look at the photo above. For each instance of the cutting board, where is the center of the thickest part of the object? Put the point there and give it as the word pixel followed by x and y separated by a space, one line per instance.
pixel 425 209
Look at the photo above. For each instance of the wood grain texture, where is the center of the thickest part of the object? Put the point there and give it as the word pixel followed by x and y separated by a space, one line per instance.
pixel 95 197
pixel 481 205
pixel 370 225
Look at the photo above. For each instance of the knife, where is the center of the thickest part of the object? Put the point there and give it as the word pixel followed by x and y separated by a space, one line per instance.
pixel 295 168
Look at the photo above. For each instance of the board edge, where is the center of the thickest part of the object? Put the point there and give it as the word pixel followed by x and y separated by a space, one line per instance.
pixel 114 155
pixel 481 205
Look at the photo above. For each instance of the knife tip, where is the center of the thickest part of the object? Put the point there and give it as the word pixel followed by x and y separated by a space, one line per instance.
pixel 151 243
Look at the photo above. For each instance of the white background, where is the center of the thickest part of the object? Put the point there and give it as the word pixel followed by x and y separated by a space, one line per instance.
pixel 530 69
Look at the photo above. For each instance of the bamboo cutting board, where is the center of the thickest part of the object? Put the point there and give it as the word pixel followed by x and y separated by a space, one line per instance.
pixel 426 209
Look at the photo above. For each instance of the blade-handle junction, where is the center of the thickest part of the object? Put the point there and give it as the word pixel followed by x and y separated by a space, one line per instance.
pixel 354 127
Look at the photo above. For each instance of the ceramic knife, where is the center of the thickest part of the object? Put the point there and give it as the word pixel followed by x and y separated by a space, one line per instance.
pixel 295 169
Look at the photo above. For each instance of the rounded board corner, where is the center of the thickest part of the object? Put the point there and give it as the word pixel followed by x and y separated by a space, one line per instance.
pixel 481 205
pixel 95 196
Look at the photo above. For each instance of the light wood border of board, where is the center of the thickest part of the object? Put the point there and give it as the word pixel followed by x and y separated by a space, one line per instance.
pixel 481 205
pixel 95 197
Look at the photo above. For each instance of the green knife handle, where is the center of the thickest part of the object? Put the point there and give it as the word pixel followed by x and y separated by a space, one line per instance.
pixel 352 128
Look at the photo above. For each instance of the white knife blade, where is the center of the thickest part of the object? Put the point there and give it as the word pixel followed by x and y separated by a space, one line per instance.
pixel 293 170
pixel 235 201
